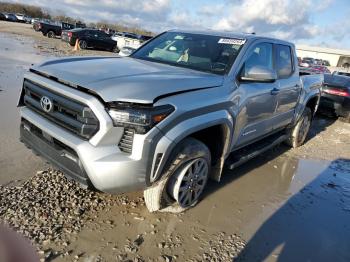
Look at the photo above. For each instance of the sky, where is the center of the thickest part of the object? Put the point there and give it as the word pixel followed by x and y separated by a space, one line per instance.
pixel 312 22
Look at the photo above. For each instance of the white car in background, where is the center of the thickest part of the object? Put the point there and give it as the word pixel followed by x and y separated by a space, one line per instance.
pixel 20 18
pixel 131 40
pixel 23 18
pixel 126 51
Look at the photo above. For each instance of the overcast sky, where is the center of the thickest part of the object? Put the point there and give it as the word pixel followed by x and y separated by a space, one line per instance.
pixel 312 22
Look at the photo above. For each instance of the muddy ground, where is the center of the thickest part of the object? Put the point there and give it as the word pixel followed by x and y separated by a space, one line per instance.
pixel 286 205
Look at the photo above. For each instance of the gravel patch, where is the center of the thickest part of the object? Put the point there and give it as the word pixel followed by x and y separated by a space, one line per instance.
pixel 48 208
pixel 223 247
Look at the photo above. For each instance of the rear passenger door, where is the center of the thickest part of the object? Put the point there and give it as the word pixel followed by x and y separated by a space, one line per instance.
pixel 288 82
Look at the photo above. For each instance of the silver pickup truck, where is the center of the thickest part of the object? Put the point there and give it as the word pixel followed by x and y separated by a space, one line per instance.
pixel 169 117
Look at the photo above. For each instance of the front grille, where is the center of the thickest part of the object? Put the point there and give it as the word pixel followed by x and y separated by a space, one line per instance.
pixel 66 112
pixel 125 143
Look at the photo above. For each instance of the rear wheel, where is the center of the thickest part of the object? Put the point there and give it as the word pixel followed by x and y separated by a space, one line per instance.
pixel 82 44
pixel 184 178
pixel 50 34
pixel 345 118
pixel 298 133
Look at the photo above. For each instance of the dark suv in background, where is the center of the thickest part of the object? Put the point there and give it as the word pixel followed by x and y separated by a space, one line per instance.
pixel 89 38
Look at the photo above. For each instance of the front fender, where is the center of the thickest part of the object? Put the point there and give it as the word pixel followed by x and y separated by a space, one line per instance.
pixel 184 129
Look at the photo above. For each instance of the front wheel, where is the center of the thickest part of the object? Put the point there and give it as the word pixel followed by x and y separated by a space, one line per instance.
pixel 115 49
pixel 184 179
pixel 298 133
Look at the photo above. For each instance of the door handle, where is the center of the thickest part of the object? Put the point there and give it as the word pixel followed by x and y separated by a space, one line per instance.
pixel 275 91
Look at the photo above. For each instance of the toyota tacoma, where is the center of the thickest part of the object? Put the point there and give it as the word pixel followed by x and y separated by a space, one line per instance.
pixel 179 110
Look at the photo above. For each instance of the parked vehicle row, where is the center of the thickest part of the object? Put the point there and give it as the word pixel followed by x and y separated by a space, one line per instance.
pixel 122 42
pixel 11 17
pixel 105 39
pixel 309 61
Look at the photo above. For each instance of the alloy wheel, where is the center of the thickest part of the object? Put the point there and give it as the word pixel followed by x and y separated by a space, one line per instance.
pixel 188 184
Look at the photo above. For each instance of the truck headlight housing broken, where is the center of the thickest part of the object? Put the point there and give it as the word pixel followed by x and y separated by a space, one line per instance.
pixel 137 117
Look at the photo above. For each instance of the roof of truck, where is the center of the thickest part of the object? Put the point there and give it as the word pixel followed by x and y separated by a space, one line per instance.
pixel 228 34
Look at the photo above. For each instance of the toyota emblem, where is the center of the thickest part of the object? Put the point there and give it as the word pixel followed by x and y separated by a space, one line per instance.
pixel 46 104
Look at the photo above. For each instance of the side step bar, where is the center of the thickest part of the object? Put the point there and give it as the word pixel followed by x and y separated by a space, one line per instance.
pixel 243 155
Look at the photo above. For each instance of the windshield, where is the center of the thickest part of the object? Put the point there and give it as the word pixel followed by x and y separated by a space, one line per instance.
pixel 206 53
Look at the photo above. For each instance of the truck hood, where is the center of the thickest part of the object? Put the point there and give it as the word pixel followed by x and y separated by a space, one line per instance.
pixel 127 79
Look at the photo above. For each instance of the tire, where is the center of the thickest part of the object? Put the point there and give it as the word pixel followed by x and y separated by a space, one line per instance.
pixel 345 119
pixel 165 195
pixel 51 34
pixel 298 134
pixel 83 44
pixel 115 49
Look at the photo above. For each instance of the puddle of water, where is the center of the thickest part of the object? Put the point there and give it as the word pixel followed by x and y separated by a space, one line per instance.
pixel 16 56
pixel 282 204
pixel 287 209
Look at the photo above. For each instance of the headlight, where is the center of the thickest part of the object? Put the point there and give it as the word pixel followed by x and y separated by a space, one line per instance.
pixel 140 118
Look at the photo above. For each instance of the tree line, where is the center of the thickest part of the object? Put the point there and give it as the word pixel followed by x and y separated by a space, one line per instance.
pixel 38 12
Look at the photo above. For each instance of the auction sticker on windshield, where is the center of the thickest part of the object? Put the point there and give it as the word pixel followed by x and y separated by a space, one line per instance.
pixel 231 41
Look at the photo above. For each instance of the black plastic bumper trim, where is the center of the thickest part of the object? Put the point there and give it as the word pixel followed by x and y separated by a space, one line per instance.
pixel 54 152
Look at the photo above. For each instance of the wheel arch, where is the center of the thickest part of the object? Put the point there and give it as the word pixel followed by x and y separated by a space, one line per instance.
pixel 312 103
pixel 203 128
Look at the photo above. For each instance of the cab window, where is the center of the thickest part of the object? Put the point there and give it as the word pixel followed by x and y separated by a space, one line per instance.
pixel 260 56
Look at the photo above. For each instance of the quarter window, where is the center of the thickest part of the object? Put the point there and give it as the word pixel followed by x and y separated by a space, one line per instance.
pixel 284 64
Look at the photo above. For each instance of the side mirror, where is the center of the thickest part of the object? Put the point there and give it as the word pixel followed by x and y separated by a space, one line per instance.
pixel 259 74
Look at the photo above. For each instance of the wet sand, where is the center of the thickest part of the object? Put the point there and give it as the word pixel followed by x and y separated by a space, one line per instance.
pixel 16 55
pixel 287 205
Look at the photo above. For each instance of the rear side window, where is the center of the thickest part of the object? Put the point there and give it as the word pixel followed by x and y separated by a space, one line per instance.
pixel 284 63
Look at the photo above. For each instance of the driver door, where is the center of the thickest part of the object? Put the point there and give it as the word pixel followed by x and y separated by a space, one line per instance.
pixel 258 101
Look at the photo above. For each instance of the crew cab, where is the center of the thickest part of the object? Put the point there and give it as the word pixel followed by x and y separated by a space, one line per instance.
pixel 53 29
pixel 169 117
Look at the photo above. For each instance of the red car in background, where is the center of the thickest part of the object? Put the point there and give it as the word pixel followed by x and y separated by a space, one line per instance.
pixel 321 69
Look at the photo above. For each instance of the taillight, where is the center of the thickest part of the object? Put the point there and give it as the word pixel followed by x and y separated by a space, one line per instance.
pixel 337 92
pixel 69 34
